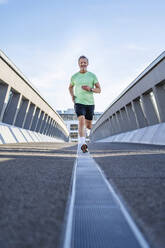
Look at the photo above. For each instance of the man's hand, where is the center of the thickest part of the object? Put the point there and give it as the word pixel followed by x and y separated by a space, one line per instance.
pixel 85 87
pixel 73 99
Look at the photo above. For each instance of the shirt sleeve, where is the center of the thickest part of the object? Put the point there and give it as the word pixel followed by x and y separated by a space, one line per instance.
pixel 72 81
pixel 95 80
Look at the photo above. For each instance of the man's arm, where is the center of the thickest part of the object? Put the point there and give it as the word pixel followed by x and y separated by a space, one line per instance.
pixel 97 88
pixel 71 92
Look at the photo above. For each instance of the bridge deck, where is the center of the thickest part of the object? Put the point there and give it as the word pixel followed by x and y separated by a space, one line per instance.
pixel 35 181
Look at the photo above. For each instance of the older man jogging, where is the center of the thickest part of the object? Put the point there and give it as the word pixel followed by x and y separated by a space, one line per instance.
pixel 82 86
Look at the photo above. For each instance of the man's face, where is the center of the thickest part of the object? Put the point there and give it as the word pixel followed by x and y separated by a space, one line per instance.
pixel 83 63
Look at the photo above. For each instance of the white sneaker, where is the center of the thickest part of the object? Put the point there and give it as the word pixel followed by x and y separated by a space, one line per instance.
pixel 87 132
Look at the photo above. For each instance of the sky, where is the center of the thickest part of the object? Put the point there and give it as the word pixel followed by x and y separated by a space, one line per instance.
pixel 44 39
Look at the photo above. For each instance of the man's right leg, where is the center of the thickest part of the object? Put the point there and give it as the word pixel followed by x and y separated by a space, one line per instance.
pixel 81 129
pixel 81 111
pixel 81 126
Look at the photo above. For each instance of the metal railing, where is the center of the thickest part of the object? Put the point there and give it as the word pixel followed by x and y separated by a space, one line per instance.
pixel 22 105
pixel 140 105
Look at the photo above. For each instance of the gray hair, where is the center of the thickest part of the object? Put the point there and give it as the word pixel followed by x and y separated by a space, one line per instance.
pixel 82 57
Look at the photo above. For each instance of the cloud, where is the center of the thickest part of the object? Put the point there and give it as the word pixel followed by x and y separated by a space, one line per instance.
pixel 116 66
pixel 3 1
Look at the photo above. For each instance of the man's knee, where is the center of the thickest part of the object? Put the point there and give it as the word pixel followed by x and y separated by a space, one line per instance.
pixel 89 124
pixel 81 119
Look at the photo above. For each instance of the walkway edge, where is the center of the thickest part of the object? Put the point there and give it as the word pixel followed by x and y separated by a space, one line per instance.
pixel 69 220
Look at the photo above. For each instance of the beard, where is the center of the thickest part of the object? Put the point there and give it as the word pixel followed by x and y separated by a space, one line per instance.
pixel 84 68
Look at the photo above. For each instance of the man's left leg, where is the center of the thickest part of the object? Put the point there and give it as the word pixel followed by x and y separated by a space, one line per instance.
pixel 89 118
pixel 88 125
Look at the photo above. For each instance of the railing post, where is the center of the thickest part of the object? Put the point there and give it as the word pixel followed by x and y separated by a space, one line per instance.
pixel 112 124
pixel 109 126
pixel 29 116
pixel 4 95
pixel 117 122
pixel 125 120
pixel 43 123
pixel 131 116
pixel 11 108
pixel 35 119
pixel 159 93
pixel 17 110
pixel 54 127
pixel 39 121
pixel 21 113
pixel 51 127
pixel 46 125
pixel 141 120
pixel 149 109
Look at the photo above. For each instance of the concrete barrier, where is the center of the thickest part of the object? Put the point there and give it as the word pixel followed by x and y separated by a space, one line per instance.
pixel 148 135
pixel 12 134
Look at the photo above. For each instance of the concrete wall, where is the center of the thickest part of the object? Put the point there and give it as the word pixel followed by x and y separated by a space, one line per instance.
pixel 12 134
pixel 147 135
pixel 140 106
pixel 21 105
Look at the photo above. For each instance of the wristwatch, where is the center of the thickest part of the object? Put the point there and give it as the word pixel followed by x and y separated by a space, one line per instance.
pixel 91 89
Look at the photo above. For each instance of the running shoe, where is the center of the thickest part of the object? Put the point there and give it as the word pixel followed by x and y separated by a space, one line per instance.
pixel 84 148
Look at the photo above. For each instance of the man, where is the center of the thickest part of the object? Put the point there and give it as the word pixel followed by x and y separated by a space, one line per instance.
pixel 85 84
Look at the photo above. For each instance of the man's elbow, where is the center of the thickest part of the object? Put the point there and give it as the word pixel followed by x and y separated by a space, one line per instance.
pixel 98 88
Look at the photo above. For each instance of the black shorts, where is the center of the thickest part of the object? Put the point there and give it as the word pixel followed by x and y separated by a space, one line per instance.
pixel 86 110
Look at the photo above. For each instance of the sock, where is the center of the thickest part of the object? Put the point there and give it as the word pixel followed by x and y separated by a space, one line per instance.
pixel 87 132
pixel 81 140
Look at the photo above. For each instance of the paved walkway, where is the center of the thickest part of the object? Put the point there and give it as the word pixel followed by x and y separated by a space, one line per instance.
pixel 34 185
pixel 35 181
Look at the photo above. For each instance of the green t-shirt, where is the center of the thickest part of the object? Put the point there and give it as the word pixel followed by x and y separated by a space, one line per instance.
pixel 80 79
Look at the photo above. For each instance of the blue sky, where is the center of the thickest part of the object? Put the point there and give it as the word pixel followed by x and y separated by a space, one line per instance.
pixel 44 38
